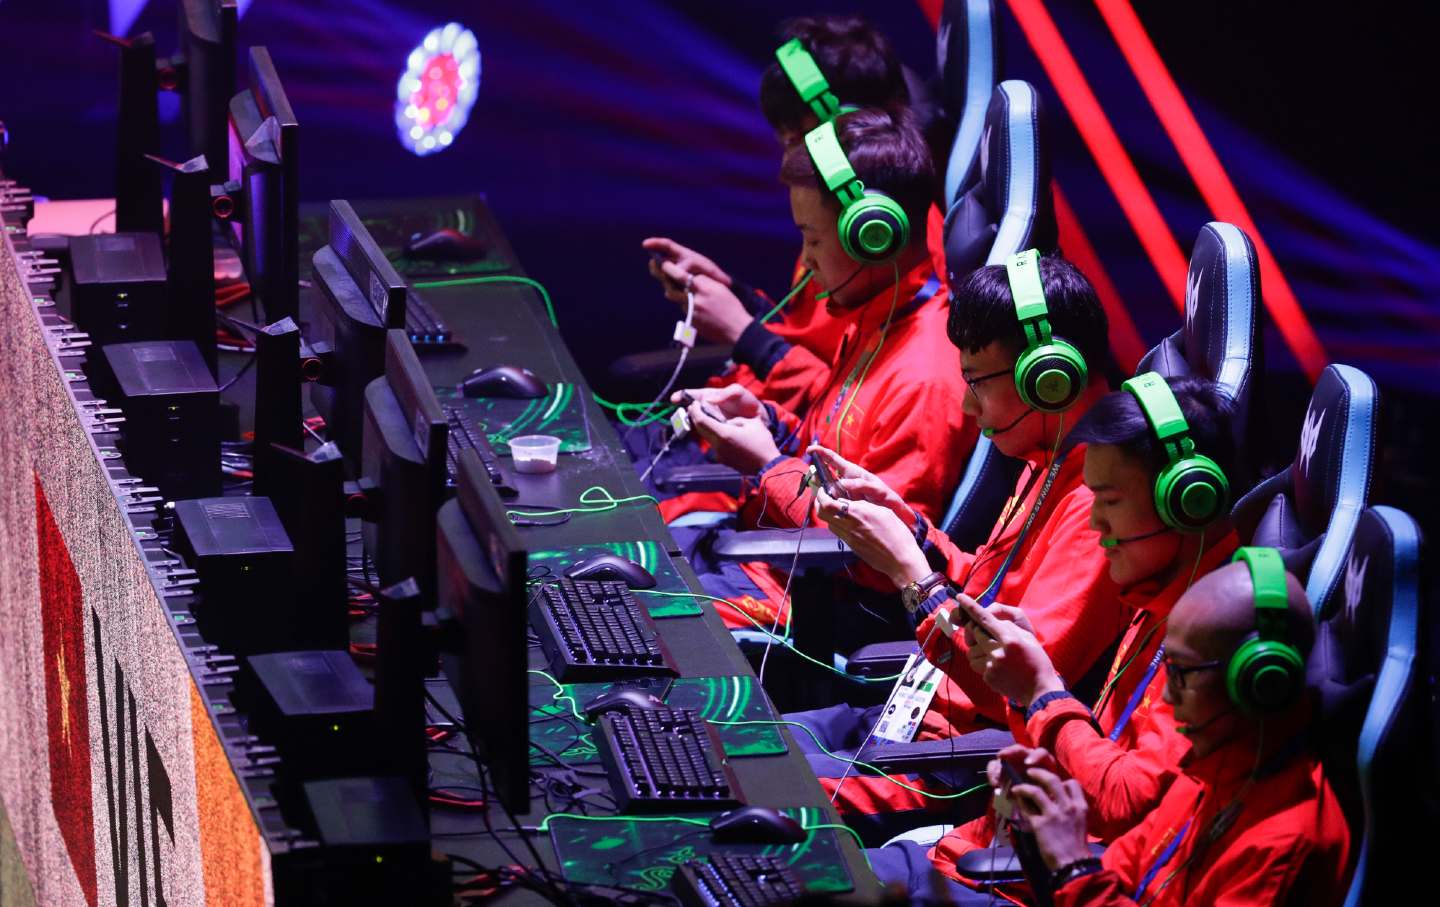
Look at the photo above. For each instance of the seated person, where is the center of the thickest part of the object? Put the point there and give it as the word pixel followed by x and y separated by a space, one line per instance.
pixel 1058 572
pixel 892 396
pixel 1250 817
pixel 1123 750
pixel 778 358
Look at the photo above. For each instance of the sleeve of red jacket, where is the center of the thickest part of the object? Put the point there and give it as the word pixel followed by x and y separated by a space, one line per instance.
pixel 900 442
pixel 1067 596
pixel 1123 784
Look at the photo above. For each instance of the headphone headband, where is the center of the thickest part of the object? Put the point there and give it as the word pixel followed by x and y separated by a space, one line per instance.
pixel 1272 593
pixel 1163 413
pixel 830 161
pixel 1023 270
pixel 804 74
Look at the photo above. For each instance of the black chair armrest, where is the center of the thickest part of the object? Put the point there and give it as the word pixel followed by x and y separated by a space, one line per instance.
pixel 652 367
pixel 880 659
pixel 819 548
pixel 698 477
pixel 966 753
pixel 998 865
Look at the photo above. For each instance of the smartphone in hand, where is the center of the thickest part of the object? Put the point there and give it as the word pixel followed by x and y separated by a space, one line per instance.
pixel 827 481
pixel 706 408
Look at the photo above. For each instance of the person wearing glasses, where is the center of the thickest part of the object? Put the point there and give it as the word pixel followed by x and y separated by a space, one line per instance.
pixel 1250 817
pixel 1122 749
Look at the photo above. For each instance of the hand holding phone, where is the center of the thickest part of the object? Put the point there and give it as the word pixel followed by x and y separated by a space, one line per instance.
pixel 706 408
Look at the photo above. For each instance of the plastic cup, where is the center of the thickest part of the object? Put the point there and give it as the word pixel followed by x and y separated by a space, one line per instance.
pixel 535 453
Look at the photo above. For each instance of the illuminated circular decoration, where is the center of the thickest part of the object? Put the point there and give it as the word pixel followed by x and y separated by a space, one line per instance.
pixel 437 89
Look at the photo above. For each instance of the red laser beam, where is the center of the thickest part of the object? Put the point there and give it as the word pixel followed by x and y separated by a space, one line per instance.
pixel 1099 136
pixel 1210 177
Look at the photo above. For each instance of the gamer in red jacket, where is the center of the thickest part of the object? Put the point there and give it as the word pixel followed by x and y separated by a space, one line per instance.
pixel 1058 574
pixel 777 357
pixel 1123 750
pixel 1250 818
pixel 893 396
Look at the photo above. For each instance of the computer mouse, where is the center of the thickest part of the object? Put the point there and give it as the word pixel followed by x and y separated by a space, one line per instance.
pixel 756 825
pixel 445 244
pixel 621 700
pixel 612 567
pixel 513 381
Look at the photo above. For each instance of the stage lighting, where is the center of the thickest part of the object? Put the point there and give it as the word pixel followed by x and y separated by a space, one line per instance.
pixel 437 89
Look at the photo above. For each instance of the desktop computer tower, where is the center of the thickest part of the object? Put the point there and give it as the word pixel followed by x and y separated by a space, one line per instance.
pixel 171 433
pixel 119 292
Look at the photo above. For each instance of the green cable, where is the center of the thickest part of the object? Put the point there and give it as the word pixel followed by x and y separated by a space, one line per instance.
pixel 494 278
pixel 620 408
pixel 782 641
pixel 588 504
pixel 560 692
pixel 786 298
pixel 856 762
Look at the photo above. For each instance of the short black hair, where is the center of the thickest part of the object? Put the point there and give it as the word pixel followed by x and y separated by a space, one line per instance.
pixel 1117 419
pixel 856 60
pixel 888 154
pixel 982 311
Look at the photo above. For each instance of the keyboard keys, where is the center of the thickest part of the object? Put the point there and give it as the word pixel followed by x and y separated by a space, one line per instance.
pixel 740 879
pixel 664 759
pixel 596 631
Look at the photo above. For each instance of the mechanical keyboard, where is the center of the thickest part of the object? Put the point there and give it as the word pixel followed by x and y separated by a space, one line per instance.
pixel 425 328
pixel 747 881
pixel 664 759
pixel 596 630
pixel 464 435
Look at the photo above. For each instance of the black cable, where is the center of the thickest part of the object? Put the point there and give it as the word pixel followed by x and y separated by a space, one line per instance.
pixel 445 713
pixel 238 375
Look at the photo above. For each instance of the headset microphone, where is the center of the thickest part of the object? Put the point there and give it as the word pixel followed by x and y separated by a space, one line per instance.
pixel 992 432
pixel 1116 543
pixel 1188 730
pixel 821 297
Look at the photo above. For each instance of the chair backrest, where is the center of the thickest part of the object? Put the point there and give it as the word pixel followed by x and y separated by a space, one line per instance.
pixel 967 59
pixel 1007 210
pixel 1220 339
pixel 1367 667
pixel 1309 511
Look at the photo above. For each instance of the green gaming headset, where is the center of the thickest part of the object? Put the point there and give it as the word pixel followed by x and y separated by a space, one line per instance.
pixel 1191 490
pixel 1050 373
pixel 873 227
pixel 809 82
pixel 1267 672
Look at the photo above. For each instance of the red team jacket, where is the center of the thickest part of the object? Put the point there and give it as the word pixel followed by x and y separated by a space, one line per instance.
pixel 893 408
pixel 1061 580
pixel 1288 842
pixel 809 335
pixel 1123 773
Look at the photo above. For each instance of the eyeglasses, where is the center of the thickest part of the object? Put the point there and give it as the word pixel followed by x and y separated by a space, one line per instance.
pixel 971 383
pixel 1175 673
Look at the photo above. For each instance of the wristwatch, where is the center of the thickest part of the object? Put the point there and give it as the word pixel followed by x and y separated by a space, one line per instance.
pixel 912 594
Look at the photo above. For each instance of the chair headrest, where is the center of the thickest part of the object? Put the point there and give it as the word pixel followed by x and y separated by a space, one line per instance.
pixel 1331 477
pixel 1010 208
pixel 967 58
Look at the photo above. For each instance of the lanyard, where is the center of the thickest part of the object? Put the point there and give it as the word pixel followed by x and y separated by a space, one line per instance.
pixel 923 295
pixel 1139 694
pixel 987 598
pixel 1164 858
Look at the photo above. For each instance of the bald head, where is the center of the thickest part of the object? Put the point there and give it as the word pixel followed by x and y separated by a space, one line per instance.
pixel 1216 613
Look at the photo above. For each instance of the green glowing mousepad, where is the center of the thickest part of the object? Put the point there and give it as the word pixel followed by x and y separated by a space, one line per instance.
pixel 650 555
pixel 643 855
pixel 561 412
pixel 555 730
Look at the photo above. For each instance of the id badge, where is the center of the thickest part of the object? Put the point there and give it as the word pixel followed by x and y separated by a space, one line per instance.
pixel 909 701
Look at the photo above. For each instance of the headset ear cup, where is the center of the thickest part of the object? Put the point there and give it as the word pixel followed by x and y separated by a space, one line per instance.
pixel 1191 493
pixel 1051 376
pixel 1264 675
pixel 873 228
